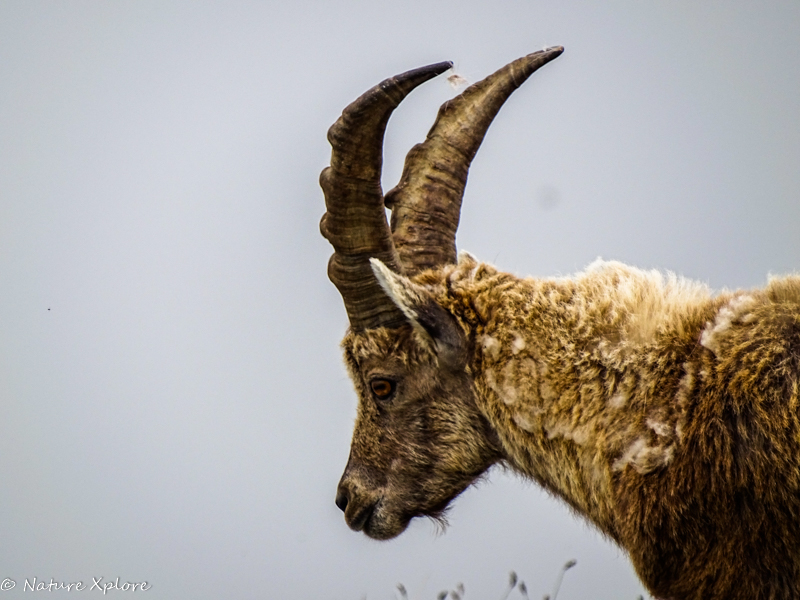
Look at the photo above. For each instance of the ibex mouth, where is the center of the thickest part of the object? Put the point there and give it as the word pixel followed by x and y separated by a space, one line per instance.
pixel 359 520
pixel 378 523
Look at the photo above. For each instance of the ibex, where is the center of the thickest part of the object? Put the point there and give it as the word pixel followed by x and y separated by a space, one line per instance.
pixel 667 416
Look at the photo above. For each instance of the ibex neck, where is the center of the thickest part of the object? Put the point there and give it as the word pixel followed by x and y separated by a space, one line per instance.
pixel 559 366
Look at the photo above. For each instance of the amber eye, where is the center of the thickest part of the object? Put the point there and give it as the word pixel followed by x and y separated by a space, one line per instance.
pixel 382 388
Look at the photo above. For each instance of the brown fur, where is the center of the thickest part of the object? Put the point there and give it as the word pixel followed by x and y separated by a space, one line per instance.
pixel 665 415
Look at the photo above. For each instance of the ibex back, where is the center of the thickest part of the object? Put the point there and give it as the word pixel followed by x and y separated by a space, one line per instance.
pixel 665 415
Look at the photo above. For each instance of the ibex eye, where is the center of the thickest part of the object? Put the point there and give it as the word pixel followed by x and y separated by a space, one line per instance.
pixel 382 388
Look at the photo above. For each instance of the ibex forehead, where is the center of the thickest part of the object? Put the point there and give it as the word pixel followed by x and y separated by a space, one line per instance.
pixel 392 367
pixel 397 347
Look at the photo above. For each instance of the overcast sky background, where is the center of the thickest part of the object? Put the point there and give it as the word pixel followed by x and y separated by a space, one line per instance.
pixel 173 406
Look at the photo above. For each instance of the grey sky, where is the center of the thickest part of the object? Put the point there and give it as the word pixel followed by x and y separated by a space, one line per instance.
pixel 174 408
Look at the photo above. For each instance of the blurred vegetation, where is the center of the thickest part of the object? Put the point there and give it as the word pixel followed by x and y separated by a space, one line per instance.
pixel 514 583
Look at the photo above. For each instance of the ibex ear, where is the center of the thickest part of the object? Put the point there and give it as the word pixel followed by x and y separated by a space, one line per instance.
pixel 426 315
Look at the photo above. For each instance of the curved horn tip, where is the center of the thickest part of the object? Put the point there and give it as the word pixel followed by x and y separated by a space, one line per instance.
pixel 547 54
pixel 556 50
pixel 435 68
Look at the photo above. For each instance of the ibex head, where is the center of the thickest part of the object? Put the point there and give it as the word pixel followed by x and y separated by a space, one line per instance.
pixel 419 439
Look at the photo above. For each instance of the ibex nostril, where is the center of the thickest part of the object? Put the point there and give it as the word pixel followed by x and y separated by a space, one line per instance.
pixel 341 500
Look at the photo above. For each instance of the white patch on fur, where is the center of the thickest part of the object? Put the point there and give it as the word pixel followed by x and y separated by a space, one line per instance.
pixel 634 450
pixel 510 395
pixel 644 458
pixel 547 392
pixel 557 429
pixel 665 456
pixel 523 422
pixel 543 370
pixel 747 318
pixel 661 429
pixel 518 345
pixel 491 346
pixel 726 315
pixel 507 395
pixel 618 400
pixel 579 435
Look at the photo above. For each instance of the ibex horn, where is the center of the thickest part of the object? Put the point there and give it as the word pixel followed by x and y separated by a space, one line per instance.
pixel 355 221
pixel 426 204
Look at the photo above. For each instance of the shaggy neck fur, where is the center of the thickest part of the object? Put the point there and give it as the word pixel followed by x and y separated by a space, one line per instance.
pixel 663 414
pixel 569 370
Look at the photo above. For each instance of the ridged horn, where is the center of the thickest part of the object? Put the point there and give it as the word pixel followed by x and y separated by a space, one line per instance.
pixel 426 204
pixel 355 221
